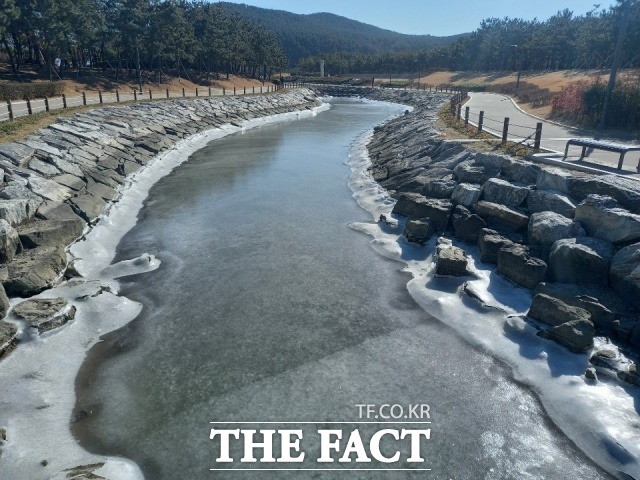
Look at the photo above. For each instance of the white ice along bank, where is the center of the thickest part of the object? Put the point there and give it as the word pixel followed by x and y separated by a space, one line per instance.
pixel 37 378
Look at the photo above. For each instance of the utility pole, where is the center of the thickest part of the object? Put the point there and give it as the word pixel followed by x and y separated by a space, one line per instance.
pixel 615 62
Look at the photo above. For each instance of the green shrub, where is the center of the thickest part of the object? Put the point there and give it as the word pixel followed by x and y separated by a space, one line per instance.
pixel 23 90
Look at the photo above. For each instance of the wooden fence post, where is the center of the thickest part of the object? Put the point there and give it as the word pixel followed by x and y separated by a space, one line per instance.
pixel 183 93
pixel 245 90
pixel 466 116
pixel 167 92
pixel 100 96
pixel 505 130
pixel 150 95
pixel 196 91
pixel 10 109
pixel 458 110
pixel 117 96
pixel 135 95
pixel 234 90
pixel 480 120
pixel 209 90
pixel 64 101
pixel 538 138
pixel 224 91
pixel 29 109
pixel 260 89
pixel 84 98
pixel 254 89
pixel 46 104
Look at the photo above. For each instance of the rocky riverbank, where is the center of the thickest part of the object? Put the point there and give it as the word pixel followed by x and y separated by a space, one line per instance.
pixel 571 238
pixel 56 183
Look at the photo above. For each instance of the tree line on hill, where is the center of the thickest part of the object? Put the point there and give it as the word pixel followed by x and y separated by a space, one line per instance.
pixel 564 41
pixel 157 36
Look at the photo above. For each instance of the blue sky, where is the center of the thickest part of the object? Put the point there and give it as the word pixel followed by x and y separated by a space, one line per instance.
pixel 436 17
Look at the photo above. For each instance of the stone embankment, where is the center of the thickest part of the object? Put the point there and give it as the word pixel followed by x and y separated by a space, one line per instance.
pixel 55 184
pixel 570 237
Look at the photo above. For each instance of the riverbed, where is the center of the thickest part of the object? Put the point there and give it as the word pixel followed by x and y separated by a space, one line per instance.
pixel 267 306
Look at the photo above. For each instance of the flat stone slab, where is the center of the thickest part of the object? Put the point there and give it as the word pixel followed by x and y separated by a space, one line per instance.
pixel 45 314
pixel 34 270
pixel 42 233
pixel 16 153
pixel 501 214
pixel 8 333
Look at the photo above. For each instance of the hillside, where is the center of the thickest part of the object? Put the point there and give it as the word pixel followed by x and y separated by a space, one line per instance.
pixel 317 33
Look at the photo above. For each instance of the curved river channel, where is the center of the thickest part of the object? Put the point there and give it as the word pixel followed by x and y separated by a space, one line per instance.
pixel 267 306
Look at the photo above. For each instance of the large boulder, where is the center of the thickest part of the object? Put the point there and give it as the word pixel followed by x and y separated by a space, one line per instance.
pixel 17 211
pixel 502 216
pixel 88 206
pixel 16 153
pixel 631 376
pixel 9 242
pixel 466 194
pixel 34 270
pixel 548 227
pixel 554 311
pixel 4 302
pixel 41 233
pixel 419 231
pixel 500 191
pixel 471 172
pixel 625 273
pixel 521 171
pixel 625 191
pixel 490 243
pixel 582 259
pixel 45 314
pixel 603 217
pixel 550 201
pixel 575 335
pixel 466 225
pixel 451 261
pixel 8 337
pixel 574 295
pixel 417 206
pixel 515 263
pixel 439 188
pixel 551 178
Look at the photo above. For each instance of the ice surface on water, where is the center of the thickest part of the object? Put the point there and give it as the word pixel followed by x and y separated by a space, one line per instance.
pixel 601 418
pixel 37 380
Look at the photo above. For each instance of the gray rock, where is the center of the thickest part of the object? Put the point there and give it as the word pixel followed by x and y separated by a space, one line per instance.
pixel 45 314
pixel 16 153
pixel 49 189
pixel 590 374
pixel 632 376
pixel 440 188
pixel 9 242
pixel 4 304
pixel 496 190
pixel 576 335
pixel 502 216
pixel 88 206
pixel 17 211
pixel 492 160
pixel 604 359
pixel 419 231
pixel 8 337
pixel 625 273
pixel 43 168
pixel 550 178
pixel 466 225
pixel 548 227
pixel 466 194
pixel 56 211
pixel 416 206
pixel 471 172
pixel 41 233
pixel 515 263
pixel 521 171
pixel 490 243
pixel 554 311
pixel 70 181
pixel 34 270
pixel 451 261
pixel 100 190
pixel 604 218
pixel 582 259
pixel 550 201
pixel 18 191
pixel 626 191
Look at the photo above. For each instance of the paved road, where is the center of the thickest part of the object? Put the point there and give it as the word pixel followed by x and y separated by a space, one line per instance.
pixel 554 137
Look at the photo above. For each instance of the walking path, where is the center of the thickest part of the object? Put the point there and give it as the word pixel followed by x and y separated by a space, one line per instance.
pixel 554 137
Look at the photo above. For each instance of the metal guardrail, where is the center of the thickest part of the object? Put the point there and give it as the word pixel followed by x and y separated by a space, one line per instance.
pixel 11 110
